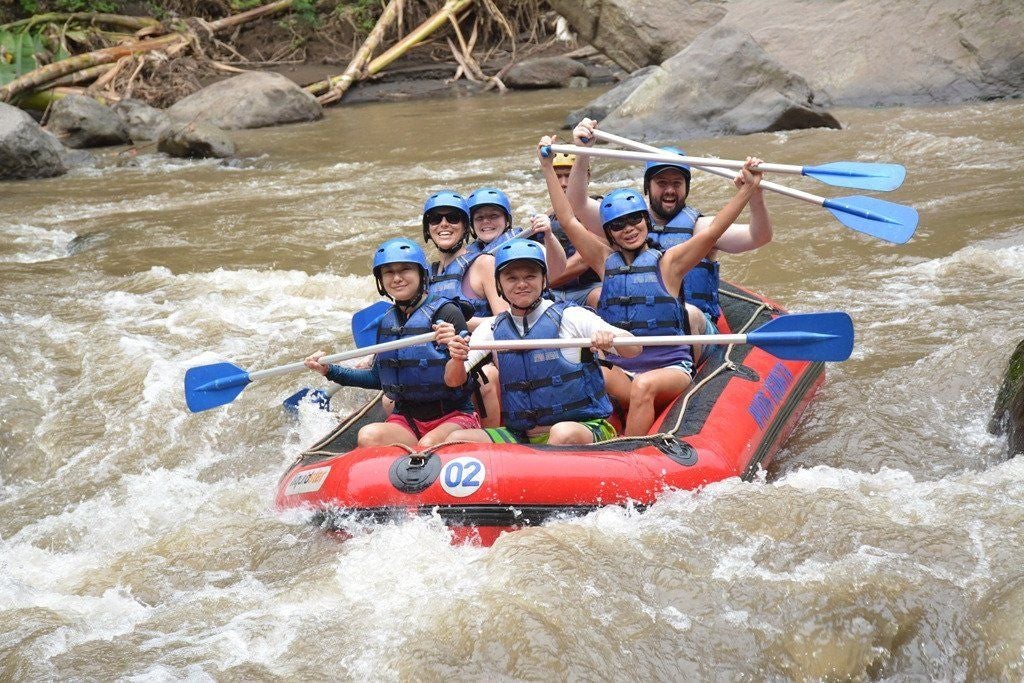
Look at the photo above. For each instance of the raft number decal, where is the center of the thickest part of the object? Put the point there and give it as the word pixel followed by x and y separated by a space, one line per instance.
pixel 764 403
pixel 307 481
pixel 462 477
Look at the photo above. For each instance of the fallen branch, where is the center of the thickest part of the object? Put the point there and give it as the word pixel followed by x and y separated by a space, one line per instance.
pixel 451 9
pixel 238 19
pixel 362 56
pixel 133 23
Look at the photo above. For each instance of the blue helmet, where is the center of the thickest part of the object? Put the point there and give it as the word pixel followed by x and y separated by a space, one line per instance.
pixel 400 250
pixel 489 196
pixel 517 250
pixel 621 202
pixel 653 168
pixel 450 199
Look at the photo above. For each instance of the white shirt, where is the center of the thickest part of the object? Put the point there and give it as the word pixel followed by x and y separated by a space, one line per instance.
pixel 577 322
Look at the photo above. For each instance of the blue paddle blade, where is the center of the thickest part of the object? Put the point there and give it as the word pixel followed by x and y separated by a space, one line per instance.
pixel 364 323
pixel 859 175
pixel 318 396
pixel 824 336
pixel 891 222
pixel 209 386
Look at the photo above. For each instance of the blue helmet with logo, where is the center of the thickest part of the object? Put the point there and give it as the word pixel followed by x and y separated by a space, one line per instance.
pixel 400 250
pixel 450 199
pixel 621 202
pixel 517 250
pixel 653 168
pixel 489 196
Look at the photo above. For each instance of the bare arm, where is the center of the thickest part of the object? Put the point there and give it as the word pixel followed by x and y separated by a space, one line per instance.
pixel 586 209
pixel 554 253
pixel 574 267
pixel 592 250
pixel 679 259
pixel 741 237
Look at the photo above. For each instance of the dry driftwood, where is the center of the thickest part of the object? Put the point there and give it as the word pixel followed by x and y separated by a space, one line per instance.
pixel 94 18
pixel 355 67
pixel 451 9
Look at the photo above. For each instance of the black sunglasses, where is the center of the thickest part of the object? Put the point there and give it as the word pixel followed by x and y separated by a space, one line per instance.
pixel 451 216
pixel 620 223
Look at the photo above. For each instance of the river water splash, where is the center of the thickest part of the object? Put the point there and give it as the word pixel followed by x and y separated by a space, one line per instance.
pixel 139 542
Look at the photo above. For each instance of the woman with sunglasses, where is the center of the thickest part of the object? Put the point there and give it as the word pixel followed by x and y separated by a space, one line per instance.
pixel 460 274
pixel 641 287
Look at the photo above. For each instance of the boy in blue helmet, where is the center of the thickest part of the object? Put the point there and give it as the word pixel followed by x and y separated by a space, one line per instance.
pixel 460 274
pixel 667 188
pixel 547 395
pixel 642 287
pixel 427 410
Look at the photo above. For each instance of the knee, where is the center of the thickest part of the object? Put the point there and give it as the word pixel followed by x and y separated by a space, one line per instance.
pixel 370 435
pixel 564 433
pixel 642 390
pixel 698 323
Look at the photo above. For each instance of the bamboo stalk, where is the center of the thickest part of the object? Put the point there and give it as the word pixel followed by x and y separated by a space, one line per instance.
pixel 362 56
pixel 34 79
pixel 83 76
pixel 451 8
pixel 134 23
pixel 236 19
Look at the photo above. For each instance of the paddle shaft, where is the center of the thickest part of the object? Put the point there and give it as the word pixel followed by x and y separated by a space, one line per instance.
pixel 716 170
pixel 582 342
pixel 346 355
pixel 670 158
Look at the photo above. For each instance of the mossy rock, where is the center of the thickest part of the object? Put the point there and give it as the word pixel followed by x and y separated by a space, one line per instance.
pixel 1008 415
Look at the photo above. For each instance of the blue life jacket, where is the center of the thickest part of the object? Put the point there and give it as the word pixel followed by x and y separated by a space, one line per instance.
pixel 448 283
pixel 542 387
pixel 634 298
pixel 416 373
pixel 701 283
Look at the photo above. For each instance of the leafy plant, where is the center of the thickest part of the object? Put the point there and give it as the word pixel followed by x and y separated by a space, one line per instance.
pixel 86 5
pixel 22 51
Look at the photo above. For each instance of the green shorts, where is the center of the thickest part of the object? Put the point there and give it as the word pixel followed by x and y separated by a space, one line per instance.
pixel 601 429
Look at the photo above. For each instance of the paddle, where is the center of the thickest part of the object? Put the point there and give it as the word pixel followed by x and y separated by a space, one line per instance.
pixel 855 174
pixel 209 386
pixel 887 221
pixel 826 336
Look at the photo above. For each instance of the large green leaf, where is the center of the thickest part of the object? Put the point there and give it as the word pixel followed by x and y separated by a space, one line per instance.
pixel 19 52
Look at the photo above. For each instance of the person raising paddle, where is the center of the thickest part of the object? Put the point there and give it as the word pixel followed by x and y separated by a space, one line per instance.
pixel 426 409
pixel 642 287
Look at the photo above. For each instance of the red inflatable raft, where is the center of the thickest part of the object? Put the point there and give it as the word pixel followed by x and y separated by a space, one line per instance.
pixel 733 419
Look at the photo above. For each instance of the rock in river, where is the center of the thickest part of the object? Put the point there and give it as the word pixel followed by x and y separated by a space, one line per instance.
pixel 26 150
pixel 250 100
pixel 1008 415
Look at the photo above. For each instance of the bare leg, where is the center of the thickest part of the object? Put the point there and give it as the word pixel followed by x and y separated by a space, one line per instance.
pixel 384 433
pixel 569 433
pixel 652 391
pixel 439 434
pixel 698 325
pixel 618 385
pixel 476 435
pixel 491 394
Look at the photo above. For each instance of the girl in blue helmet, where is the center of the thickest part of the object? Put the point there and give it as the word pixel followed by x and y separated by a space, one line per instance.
pixel 642 286
pixel 460 273
pixel 547 396
pixel 426 409
pixel 490 223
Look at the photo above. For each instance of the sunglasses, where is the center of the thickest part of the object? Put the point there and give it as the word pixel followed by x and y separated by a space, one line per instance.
pixel 620 223
pixel 452 218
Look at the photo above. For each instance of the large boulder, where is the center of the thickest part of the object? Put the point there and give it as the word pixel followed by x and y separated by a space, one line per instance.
pixel 879 52
pixel 142 122
pixel 722 84
pixel 80 122
pixel 250 100
pixel 638 33
pixel 196 141
pixel 545 72
pixel 1008 415
pixel 26 150
pixel 609 101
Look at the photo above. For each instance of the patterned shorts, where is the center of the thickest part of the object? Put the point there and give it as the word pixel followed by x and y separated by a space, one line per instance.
pixel 601 429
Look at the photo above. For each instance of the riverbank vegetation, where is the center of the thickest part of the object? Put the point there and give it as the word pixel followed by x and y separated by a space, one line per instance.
pixel 161 52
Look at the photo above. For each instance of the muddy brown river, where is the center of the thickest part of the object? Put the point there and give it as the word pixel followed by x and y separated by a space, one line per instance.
pixel 140 542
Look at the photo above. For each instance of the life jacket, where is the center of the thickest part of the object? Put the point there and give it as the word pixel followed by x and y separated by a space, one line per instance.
pixel 584 279
pixel 478 247
pixel 701 282
pixel 541 386
pixel 416 373
pixel 635 299
pixel 448 283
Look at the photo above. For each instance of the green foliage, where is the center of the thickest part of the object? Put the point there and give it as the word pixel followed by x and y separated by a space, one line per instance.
pixel 243 5
pixel 362 13
pixel 86 5
pixel 25 50
pixel 29 6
